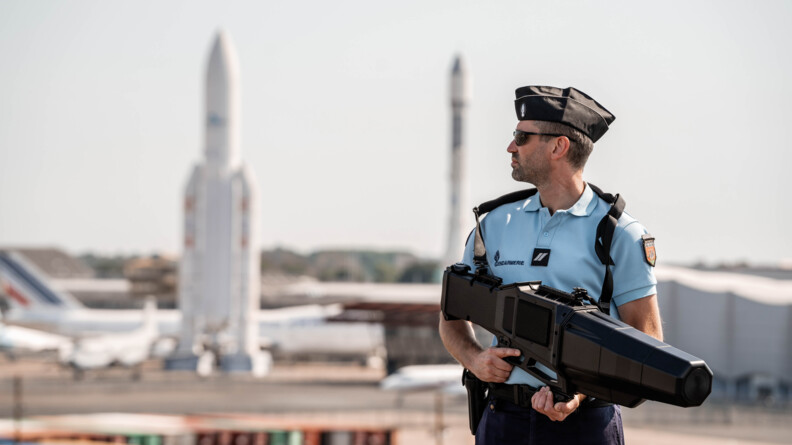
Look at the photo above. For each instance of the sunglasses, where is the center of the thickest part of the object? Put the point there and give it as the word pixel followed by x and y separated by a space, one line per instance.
pixel 521 137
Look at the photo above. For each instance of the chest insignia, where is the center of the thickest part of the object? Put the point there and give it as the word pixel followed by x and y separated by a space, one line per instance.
pixel 541 257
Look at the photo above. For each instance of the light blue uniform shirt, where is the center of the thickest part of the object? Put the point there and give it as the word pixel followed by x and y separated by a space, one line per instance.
pixel 512 232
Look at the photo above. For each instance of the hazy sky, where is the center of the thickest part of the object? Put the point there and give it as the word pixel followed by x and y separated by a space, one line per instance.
pixel 346 122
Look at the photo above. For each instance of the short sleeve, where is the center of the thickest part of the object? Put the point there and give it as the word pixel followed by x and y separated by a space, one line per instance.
pixel 467 256
pixel 633 277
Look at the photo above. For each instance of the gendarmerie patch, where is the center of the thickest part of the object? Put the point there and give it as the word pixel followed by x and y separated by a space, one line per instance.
pixel 541 257
pixel 650 254
pixel 499 262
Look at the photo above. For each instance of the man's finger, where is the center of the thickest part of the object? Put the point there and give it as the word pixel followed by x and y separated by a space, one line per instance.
pixel 542 402
pixel 499 376
pixel 562 407
pixel 506 352
pixel 538 400
pixel 540 405
pixel 495 358
pixel 548 407
pixel 502 366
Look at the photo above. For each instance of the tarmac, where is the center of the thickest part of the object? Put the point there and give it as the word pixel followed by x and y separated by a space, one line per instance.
pixel 337 394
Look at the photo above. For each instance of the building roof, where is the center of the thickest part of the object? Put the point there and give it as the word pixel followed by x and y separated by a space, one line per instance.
pixel 759 288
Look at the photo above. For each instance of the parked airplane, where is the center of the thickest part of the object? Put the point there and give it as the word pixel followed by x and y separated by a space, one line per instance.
pixel 122 348
pixel 446 378
pixel 105 336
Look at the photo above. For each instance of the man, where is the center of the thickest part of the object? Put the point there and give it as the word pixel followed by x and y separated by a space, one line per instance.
pixel 551 237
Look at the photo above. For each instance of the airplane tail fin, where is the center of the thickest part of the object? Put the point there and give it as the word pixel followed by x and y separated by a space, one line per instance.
pixel 27 289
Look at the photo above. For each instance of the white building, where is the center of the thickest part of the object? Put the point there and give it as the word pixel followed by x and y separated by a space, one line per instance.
pixel 739 323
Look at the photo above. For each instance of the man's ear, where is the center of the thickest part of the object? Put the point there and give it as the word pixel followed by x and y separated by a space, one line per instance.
pixel 560 148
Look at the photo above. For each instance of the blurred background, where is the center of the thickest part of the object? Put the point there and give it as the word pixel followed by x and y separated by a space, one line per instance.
pixel 345 125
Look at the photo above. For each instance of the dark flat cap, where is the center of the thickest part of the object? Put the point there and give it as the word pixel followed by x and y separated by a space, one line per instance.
pixel 568 106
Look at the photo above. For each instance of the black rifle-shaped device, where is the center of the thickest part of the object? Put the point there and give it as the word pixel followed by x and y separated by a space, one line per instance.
pixel 590 352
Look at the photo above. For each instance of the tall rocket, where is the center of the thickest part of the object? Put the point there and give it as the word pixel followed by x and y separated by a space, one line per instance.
pixel 219 285
pixel 458 211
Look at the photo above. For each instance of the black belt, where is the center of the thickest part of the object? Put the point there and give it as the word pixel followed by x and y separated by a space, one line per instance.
pixel 520 395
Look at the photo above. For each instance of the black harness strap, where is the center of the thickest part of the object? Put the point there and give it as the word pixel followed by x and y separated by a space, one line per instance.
pixel 479 250
pixel 602 241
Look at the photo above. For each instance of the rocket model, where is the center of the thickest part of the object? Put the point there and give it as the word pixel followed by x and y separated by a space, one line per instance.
pixel 219 286
pixel 457 210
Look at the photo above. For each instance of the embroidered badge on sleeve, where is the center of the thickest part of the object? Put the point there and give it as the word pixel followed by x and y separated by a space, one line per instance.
pixel 649 249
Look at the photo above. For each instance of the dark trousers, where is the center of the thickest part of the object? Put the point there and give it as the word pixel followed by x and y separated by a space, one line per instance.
pixel 505 423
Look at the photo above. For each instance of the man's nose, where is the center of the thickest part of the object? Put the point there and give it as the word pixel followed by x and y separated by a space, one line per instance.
pixel 512 148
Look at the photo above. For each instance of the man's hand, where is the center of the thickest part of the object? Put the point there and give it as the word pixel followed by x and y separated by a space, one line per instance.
pixel 542 402
pixel 489 366
pixel 486 364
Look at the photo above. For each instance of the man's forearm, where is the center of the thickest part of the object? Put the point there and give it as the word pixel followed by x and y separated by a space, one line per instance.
pixel 459 340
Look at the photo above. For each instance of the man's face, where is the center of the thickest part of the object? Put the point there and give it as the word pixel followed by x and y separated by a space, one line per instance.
pixel 530 161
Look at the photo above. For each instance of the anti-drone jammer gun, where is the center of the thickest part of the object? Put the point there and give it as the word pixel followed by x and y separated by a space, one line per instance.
pixel 590 352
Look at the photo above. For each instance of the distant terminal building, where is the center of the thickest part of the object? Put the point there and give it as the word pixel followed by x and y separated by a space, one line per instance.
pixel 739 321
pixel 157 275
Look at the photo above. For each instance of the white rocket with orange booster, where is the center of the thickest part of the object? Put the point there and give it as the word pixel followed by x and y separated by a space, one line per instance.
pixel 219 286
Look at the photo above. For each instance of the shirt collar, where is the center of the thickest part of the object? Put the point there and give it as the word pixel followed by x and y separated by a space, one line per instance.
pixel 533 204
pixel 583 207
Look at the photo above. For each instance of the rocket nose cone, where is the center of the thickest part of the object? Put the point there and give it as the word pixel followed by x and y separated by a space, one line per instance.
pixel 222 58
pixel 223 46
pixel 222 101
pixel 222 38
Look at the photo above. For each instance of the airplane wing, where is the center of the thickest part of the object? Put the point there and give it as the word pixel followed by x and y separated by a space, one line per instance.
pixel 17 338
